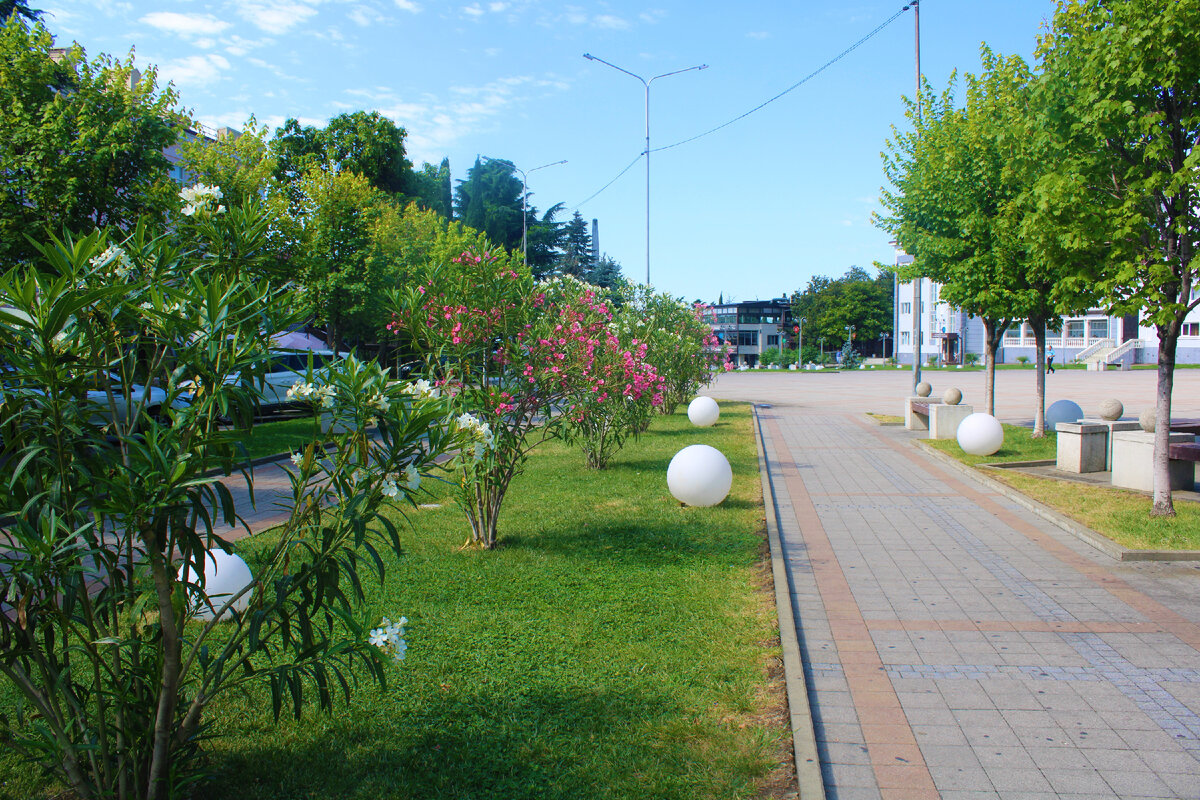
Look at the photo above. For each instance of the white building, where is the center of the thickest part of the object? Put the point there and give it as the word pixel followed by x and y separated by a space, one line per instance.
pixel 948 333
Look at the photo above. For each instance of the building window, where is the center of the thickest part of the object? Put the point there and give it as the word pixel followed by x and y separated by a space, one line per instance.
pixel 906 308
pixel 933 292
pixel 1098 328
pixel 773 340
pixel 1074 329
pixel 747 338
pixel 1191 329
pixel 1013 333
pixel 904 337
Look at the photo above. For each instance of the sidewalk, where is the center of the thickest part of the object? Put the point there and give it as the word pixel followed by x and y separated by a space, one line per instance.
pixel 957 646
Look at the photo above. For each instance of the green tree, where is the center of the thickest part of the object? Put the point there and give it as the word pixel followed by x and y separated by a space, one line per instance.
pixel 831 305
pixel 489 200
pixel 606 273
pixel 20 9
pixel 432 188
pixel 948 210
pixel 366 143
pixel 339 272
pixel 576 259
pixel 1118 102
pixel 82 142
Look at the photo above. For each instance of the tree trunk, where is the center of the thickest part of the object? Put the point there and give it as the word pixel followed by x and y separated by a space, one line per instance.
pixel 1039 418
pixel 1168 338
pixel 992 333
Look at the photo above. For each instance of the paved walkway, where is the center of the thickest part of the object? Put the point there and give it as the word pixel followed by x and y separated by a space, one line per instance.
pixel 954 644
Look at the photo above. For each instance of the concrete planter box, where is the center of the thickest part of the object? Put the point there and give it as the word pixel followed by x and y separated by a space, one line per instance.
pixel 1133 461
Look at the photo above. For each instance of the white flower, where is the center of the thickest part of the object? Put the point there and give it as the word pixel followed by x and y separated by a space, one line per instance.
pixel 300 390
pixel 297 459
pixel 414 478
pixel 389 637
pixel 423 388
pixel 389 487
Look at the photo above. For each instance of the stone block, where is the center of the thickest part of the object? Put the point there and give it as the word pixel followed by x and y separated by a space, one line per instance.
pixel 1082 447
pixel 916 419
pixel 944 419
pixel 1113 425
pixel 1133 461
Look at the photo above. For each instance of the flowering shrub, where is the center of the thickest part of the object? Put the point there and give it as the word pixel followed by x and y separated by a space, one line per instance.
pixel 680 341
pixel 511 354
pixel 618 391
pixel 112 500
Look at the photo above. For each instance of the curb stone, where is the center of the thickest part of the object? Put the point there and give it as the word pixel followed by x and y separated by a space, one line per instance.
pixel 804 740
pixel 1080 531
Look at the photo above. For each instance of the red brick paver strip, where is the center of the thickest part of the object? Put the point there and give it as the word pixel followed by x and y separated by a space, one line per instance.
pixel 958 646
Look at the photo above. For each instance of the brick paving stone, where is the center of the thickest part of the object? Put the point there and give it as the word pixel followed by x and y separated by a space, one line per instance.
pixel 956 645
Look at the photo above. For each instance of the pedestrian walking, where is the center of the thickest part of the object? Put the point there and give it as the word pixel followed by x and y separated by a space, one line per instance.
pixel 1050 359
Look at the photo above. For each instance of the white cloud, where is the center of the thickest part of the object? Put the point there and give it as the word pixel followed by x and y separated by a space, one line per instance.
pixel 185 24
pixel 238 46
pixel 758 35
pixel 497 7
pixel 609 22
pixel 652 15
pixel 365 16
pixel 194 70
pixel 574 15
pixel 407 5
pixel 473 10
pixel 436 122
pixel 275 16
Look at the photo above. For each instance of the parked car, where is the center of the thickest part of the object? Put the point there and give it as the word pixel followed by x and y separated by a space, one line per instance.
pixel 284 369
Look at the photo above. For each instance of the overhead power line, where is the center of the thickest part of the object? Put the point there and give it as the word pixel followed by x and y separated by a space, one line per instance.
pixel 610 183
pixel 795 85
pixel 874 32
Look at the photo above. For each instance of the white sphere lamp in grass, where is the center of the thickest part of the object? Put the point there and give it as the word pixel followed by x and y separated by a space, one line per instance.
pixel 1062 411
pixel 980 434
pixel 225 575
pixel 699 475
pixel 703 411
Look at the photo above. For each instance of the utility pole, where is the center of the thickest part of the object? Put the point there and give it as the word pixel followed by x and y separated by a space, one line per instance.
pixel 916 7
pixel 645 83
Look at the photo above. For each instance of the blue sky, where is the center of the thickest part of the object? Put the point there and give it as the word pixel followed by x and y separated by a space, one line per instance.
pixel 752 211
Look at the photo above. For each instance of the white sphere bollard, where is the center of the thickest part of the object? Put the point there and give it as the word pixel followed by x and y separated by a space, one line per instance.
pixel 1062 411
pixel 699 475
pixel 980 434
pixel 703 411
pixel 224 576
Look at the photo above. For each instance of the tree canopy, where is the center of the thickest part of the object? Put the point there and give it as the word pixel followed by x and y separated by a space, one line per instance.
pixel 830 305
pixel 1118 103
pixel 83 142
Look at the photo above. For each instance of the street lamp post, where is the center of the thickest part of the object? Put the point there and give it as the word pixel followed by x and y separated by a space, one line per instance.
pixel 646 83
pixel 849 335
pixel 524 204
pixel 800 342
pixel 821 342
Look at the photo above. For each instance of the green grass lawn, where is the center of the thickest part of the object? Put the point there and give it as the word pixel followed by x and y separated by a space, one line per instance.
pixel 281 436
pixel 615 645
pixel 1121 515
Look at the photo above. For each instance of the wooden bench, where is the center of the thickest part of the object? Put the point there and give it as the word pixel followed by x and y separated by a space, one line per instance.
pixel 940 419
pixel 1183 452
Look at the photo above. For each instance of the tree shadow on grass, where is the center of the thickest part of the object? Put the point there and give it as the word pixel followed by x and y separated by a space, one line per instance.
pixel 651 544
pixel 551 743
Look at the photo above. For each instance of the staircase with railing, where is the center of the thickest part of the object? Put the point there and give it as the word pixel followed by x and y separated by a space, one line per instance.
pixel 1114 355
pixel 1085 355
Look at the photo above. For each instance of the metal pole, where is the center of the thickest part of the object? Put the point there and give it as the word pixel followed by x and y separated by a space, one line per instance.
pixel 646 83
pixel 800 343
pixel 916 4
pixel 648 182
pixel 524 204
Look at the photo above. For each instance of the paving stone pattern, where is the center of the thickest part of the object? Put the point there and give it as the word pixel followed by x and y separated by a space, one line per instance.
pixel 957 646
